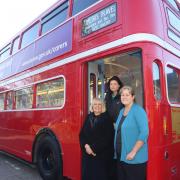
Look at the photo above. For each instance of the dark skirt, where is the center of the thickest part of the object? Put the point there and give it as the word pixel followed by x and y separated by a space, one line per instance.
pixel 94 168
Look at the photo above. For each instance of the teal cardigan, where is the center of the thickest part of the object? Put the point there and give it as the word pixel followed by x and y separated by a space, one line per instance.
pixel 134 128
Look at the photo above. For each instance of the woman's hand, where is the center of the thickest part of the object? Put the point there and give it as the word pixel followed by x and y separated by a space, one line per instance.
pixel 89 150
pixel 135 149
pixel 131 155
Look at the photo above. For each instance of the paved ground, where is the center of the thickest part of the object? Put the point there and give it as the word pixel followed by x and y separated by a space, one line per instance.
pixel 11 169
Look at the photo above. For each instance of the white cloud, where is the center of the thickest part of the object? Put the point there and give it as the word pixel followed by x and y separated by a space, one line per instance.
pixel 17 14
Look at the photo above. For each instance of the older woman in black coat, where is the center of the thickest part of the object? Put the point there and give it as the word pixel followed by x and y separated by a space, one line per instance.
pixel 96 140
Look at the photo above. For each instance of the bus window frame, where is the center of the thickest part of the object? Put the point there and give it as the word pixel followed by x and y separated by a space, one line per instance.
pixel 172 66
pixel 48 80
pixel 34 87
pixel 171 5
pixel 24 87
pixel 172 36
pixel 22 34
pixel 6 48
pixel 83 9
pixel 6 97
pixel 12 44
pixel 4 94
pixel 67 18
pixel 170 26
pixel 167 6
pixel 160 66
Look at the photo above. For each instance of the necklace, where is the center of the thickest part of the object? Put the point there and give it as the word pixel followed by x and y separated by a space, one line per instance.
pixel 126 110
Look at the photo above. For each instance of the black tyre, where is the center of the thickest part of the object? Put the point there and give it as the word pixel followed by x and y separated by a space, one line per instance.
pixel 49 160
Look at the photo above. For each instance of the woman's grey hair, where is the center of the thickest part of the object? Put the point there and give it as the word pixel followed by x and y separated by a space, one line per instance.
pixel 129 88
pixel 98 100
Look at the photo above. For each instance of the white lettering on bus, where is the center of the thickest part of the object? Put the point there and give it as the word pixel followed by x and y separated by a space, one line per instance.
pixel 46 53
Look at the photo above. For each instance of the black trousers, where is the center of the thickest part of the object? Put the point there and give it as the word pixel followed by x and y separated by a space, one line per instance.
pixel 131 171
pixel 113 170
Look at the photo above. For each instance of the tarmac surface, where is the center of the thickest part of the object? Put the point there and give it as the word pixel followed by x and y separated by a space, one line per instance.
pixel 12 169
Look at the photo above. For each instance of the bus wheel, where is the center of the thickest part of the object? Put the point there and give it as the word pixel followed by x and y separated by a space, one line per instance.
pixel 49 160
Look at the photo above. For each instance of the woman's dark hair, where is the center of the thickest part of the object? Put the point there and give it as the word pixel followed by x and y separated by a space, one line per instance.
pixel 114 78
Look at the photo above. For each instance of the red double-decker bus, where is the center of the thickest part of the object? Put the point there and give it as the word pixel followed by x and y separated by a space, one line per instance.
pixel 51 70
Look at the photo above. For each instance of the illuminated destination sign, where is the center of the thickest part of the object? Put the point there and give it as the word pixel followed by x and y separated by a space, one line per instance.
pixel 99 20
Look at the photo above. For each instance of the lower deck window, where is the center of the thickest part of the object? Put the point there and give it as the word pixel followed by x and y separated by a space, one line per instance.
pixel 24 98
pixel 156 81
pixel 173 85
pixel 2 101
pixel 9 100
pixel 50 94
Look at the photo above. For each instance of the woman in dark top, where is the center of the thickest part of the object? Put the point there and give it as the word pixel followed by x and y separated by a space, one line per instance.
pixel 113 102
pixel 113 106
pixel 96 140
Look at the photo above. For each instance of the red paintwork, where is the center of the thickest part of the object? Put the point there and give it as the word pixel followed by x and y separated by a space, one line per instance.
pixel 18 129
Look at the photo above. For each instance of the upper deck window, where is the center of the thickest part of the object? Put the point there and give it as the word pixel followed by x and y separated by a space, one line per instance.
pixel 174 20
pixel 55 17
pixel 15 45
pixel 173 3
pixel 30 35
pixel 173 36
pixel 5 52
pixel 79 5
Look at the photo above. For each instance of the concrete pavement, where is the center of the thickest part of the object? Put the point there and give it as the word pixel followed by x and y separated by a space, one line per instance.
pixel 12 169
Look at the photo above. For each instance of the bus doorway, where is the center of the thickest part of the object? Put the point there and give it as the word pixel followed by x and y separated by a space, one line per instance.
pixel 126 66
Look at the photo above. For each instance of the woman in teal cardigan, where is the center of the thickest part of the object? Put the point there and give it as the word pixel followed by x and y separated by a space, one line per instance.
pixel 130 142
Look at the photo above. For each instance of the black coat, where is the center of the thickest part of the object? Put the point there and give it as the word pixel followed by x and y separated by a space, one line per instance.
pixel 113 106
pixel 99 135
